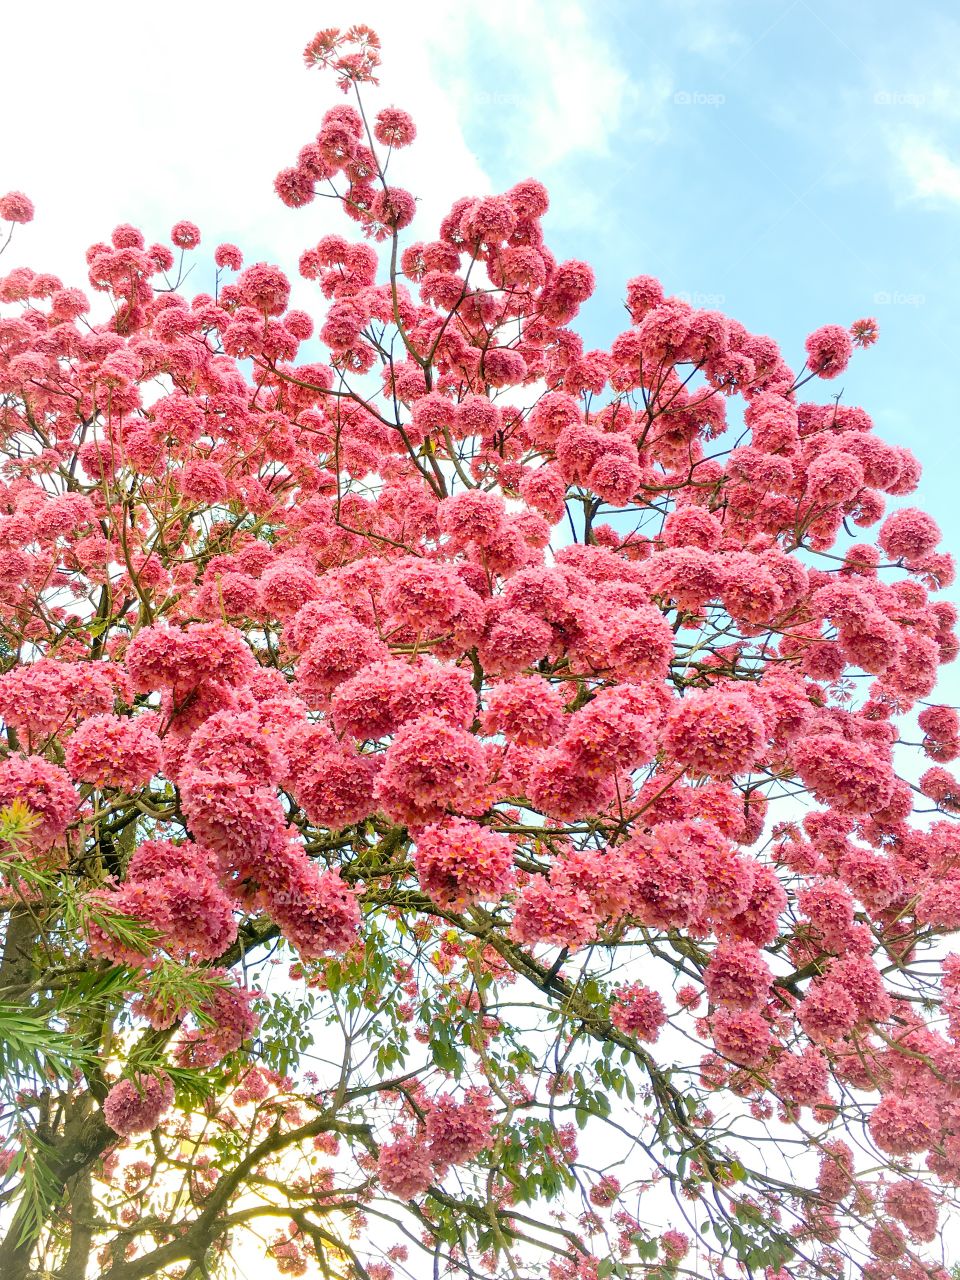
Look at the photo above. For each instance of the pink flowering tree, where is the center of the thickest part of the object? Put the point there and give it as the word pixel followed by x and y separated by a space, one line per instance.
pixel 468 804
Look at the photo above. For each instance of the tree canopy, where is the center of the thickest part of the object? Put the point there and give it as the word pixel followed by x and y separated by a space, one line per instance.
pixel 469 805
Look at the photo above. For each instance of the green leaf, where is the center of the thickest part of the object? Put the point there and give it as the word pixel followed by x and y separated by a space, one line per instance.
pixel 445 1055
pixel 31 1048
pixel 193 1088
pixel 39 1188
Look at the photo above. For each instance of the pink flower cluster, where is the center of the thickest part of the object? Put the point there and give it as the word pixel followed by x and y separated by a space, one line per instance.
pixel 111 751
pixel 639 1011
pixel 460 862
pixel 137 1105
pixel 296 625
pixel 453 1133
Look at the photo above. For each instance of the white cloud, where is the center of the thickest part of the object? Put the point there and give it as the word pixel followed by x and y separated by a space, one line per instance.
pixel 548 87
pixel 569 90
pixel 146 118
pixel 926 168
pixel 189 111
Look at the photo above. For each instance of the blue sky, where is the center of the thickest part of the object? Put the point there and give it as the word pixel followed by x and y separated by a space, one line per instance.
pixel 792 162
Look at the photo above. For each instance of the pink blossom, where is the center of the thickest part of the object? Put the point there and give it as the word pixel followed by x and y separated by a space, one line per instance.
pixel 160 656
pixel 394 128
pixel 835 1175
pixel 639 1011
pixel 715 733
pixel 337 652
pixel 430 765
pixel 828 350
pixel 605 1190
pixel 336 789
pixel 460 862
pixel 232 1018
pixel 235 741
pixel 851 776
pixel 185 235
pixel 560 788
pixel 317 910
pixel 828 1011
pixel 137 1105
pixel 112 751
pixel 405 1168
pixel 865 332
pixel 908 534
pixel 16 207
pixel 473 516
pixel 234 816
pixel 393 207
pixel 669 889
pixel 741 1035
pixel 887 1242
pixel 737 976
pixel 617 729
pixel 675 1245
pixel 911 1202
pixel 801 1078
pixel 264 288
pixel 457 1132
pixel 47 792
pixel 903 1125
pixel 528 710
pixel 554 913
pixel 203 481
pixel 193 915
pixel 228 255
pixel 46 695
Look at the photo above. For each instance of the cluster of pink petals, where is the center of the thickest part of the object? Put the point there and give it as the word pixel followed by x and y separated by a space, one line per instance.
pixel 404 1167
pixel 114 751
pixel 718 734
pixel 453 1132
pixel 47 792
pixel 138 1104
pixel 460 862
pixel 16 207
pixel 639 1011
pixel 332 628
pixel 458 1131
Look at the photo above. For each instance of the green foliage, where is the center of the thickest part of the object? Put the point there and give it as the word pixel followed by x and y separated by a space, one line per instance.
pixel 753 1240
pixel 192 1088
pixel 443 1049
pixel 285 1031
pixel 169 985
pixel 84 914
pixel 39 1188
pixel 529 1159
pixel 31 1050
